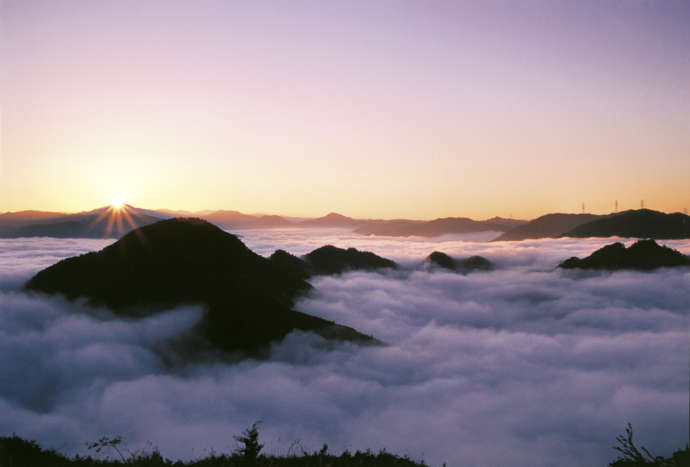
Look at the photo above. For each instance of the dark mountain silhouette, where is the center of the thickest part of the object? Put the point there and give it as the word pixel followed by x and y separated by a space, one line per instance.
pixel 331 260
pixel 464 266
pixel 643 255
pixel 641 223
pixel 438 258
pixel 547 226
pixel 106 222
pixel 186 261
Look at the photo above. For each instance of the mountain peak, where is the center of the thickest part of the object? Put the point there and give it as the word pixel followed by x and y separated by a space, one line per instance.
pixel 642 255
pixel 248 299
pixel 335 215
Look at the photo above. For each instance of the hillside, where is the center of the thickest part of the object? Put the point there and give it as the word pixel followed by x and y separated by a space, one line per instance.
pixel 547 226
pixel 641 223
pixel 177 261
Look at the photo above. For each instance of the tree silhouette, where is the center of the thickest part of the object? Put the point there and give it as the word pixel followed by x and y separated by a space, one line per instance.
pixel 250 440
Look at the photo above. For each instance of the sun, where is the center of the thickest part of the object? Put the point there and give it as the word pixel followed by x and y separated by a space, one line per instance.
pixel 117 203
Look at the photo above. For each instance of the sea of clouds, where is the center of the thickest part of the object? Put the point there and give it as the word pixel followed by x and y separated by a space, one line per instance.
pixel 526 365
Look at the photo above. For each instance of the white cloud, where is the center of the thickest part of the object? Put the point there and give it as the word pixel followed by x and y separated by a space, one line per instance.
pixel 526 363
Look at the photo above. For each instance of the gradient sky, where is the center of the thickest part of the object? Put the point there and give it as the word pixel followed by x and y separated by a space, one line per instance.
pixel 374 109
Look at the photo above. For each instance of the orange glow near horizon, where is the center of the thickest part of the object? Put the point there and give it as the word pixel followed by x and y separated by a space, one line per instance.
pixel 115 219
pixel 117 203
pixel 460 109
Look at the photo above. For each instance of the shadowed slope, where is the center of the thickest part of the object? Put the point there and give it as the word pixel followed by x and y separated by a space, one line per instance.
pixel 179 261
pixel 643 255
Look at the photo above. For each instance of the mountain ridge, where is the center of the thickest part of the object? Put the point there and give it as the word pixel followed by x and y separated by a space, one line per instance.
pixel 248 300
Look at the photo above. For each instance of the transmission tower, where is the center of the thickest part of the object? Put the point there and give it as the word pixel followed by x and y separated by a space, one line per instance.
pixel 641 204
pixel 615 206
pixel 583 208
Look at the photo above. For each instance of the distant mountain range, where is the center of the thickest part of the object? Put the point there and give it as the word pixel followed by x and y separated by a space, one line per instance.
pixel 97 223
pixel 108 222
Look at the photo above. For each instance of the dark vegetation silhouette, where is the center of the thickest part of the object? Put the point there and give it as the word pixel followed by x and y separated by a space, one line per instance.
pixel 17 452
pixel 632 456
pixel 643 255
pixel 464 266
pixel 248 299
pixel 250 447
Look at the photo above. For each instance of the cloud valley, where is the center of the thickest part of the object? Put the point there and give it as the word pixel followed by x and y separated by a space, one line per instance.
pixel 526 363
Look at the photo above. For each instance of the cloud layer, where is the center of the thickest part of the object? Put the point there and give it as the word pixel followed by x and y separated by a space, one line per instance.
pixel 526 364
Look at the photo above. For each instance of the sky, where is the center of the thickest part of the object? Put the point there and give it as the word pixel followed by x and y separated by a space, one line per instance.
pixel 372 109
pixel 526 362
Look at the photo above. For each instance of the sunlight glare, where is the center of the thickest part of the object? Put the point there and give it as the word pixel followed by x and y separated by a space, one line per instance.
pixel 117 203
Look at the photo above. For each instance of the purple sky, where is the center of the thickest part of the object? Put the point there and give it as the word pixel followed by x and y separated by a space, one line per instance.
pixel 416 109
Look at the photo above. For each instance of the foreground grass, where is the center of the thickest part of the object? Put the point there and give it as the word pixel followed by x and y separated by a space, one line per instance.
pixel 17 452
pixel 632 456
